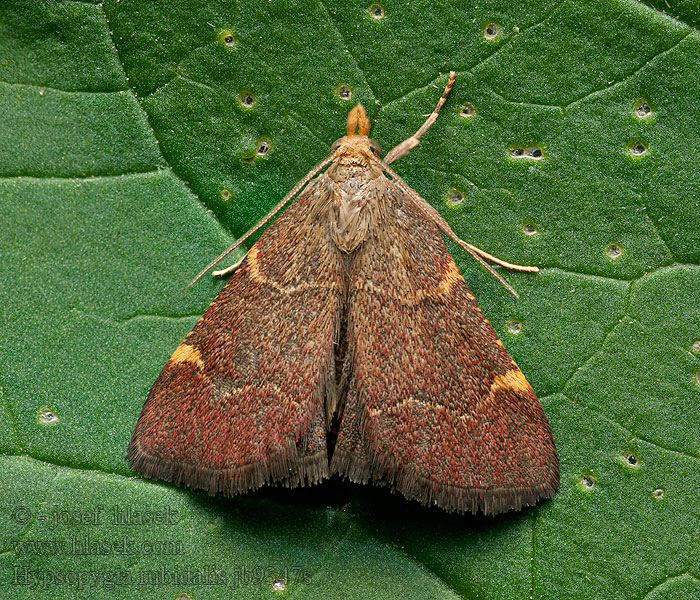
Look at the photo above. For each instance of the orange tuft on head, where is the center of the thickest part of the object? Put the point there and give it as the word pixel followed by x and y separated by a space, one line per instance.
pixel 357 119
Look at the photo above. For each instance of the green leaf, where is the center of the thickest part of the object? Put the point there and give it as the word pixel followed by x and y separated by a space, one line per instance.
pixel 128 158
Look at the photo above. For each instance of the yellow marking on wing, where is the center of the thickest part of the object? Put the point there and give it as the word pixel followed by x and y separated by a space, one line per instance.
pixel 412 402
pixel 499 343
pixel 449 278
pixel 513 380
pixel 253 267
pixel 187 353
pixel 254 273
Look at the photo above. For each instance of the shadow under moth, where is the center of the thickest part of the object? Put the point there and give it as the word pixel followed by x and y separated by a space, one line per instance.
pixel 347 342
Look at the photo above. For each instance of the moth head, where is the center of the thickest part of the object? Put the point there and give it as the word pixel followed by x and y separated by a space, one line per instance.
pixel 357 140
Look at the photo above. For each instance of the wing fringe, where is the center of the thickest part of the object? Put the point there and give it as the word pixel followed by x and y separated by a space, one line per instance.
pixel 285 467
pixel 489 501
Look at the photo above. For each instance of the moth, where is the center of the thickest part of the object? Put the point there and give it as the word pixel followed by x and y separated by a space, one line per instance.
pixel 347 342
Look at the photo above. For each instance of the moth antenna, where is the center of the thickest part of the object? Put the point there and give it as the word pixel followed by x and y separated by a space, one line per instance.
pixel 403 148
pixel 430 213
pixel 293 192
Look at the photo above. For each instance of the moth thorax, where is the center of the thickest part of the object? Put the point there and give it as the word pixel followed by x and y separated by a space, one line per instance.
pixel 349 219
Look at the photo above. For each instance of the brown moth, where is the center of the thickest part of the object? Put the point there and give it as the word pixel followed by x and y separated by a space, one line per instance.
pixel 346 341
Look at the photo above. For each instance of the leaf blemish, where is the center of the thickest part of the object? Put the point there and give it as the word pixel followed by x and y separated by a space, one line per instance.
pixel 263 147
pixel 531 152
pixel 47 416
pixel 376 11
pixel 491 31
pixel 467 110
pixel 227 39
pixel 613 251
pixel 642 110
pixel 587 482
pixel 514 327
pixel 454 198
pixel 279 585
pixel 344 92
pixel 246 99
pixel 638 149
pixel 631 459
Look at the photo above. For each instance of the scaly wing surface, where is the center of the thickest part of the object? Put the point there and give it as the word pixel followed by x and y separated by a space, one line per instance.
pixel 241 401
pixel 435 406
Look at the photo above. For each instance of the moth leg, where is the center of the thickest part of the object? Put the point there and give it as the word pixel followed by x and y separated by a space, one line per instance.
pixel 408 144
pixel 227 270
pixel 433 215
pixel 267 217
